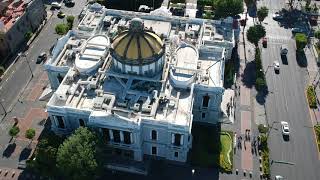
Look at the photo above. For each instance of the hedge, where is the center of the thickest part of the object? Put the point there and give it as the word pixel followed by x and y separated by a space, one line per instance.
pixel 317 130
pixel 311 96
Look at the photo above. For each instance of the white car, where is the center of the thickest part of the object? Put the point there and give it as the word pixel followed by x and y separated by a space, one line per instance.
pixel 276 65
pixel 285 128
pixel 278 177
pixel 55 5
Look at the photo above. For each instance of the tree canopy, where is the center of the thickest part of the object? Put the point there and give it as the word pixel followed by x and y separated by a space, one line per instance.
pixel 255 33
pixel 262 13
pixel 225 8
pixel 76 157
pixel 301 41
pixel 317 34
pixel 14 131
pixel 30 133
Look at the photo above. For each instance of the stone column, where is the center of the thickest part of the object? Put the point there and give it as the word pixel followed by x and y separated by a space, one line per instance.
pixel 121 136
pixel 111 134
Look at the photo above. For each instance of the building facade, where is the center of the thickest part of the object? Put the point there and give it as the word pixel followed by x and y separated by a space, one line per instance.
pixel 17 17
pixel 139 80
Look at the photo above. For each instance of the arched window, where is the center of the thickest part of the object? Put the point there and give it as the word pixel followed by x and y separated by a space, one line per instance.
pixel 81 123
pixel 205 101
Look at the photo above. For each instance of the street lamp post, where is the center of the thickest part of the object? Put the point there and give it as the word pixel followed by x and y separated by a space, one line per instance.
pixel 4 109
pixel 23 55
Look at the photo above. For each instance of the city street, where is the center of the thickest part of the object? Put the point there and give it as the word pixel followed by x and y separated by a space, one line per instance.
pixel 297 158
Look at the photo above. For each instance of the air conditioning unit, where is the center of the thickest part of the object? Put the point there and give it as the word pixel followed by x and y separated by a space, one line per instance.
pixel 135 107
pixel 146 108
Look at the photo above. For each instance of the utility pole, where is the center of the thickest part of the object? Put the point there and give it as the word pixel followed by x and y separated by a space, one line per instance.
pixel 23 55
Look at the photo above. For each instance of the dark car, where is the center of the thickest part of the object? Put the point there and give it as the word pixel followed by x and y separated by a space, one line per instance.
pixel 42 57
pixel 69 3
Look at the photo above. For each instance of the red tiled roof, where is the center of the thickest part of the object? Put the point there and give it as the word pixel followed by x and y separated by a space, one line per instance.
pixel 14 10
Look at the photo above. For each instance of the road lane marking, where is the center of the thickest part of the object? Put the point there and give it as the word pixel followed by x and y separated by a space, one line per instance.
pixel 314 132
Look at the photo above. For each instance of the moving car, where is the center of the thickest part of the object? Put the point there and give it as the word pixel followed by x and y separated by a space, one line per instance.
pixel 283 50
pixel 55 5
pixel 42 57
pixel 278 177
pixel 285 128
pixel 276 66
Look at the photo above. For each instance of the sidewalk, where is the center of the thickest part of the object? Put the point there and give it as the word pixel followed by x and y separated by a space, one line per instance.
pixel 31 114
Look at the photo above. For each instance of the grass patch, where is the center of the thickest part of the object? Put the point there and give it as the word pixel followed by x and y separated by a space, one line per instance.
pixel 317 130
pixel 311 96
pixel 212 148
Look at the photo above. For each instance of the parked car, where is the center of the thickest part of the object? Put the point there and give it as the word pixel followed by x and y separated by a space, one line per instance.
pixel 297 30
pixel 285 128
pixel 283 50
pixel 278 177
pixel 276 66
pixel 55 5
pixel 61 14
pixel 69 2
pixel 42 57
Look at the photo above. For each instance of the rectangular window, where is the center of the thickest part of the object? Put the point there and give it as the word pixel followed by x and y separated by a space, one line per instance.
pixel 106 134
pixel 203 115
pixel 176 154
pixel 154 150
pixel 126 136
pixel 177 139
pixel 154 135
pixel 116 136
pixel 60 122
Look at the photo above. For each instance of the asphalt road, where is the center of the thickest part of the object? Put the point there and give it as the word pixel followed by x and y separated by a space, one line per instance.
pixel 286 101
pixel 19 74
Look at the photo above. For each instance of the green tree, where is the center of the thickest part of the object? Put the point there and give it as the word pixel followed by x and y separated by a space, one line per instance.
pixel 61 29
pixel 45 154
pixel 13 132
pixel 262 13
pixel 225 8
pixel 76 157
pixel 255 33
pixel 28 35
pixel 317 34
pixel 70 20
pixel 301 41
pixel 30 133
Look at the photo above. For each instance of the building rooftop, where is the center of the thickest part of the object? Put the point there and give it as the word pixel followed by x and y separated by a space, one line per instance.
pixel 194 52
pixel 11 11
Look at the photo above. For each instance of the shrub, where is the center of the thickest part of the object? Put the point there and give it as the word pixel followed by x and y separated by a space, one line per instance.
pixel 265 164
pixel 61 29
pixel 262 129
pixel 30 133
pixel 311 96
pixel 317 130
pixel 70 20
pixel 317 34
pixel 28 35
pixel 301 41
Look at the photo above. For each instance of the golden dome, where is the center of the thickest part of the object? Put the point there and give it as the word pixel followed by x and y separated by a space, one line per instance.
pixel 137 44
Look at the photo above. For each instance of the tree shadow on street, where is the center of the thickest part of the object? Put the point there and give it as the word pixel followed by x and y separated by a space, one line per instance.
pixel 262 95
pixel 301 59
pixel 25 153
pixel 248 77
pixel 9 150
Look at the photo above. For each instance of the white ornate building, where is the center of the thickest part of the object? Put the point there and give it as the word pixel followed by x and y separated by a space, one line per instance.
pixel 140 80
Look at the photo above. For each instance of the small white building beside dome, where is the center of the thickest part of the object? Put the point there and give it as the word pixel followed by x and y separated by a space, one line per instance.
pixel 140 88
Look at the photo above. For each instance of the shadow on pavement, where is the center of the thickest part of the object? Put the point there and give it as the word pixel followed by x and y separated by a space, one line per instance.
pixel 25 153
pixel 262 95
pixel 301 59
pixel 249 75
pixel 9 150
